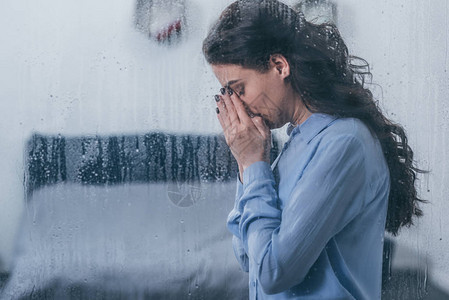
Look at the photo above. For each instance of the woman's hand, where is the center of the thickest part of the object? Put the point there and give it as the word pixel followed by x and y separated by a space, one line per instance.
pixel 249 138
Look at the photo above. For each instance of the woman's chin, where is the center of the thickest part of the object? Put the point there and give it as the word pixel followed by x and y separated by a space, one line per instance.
pixel 269 124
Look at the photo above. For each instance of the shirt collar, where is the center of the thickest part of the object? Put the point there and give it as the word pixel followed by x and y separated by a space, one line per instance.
pixel 310 128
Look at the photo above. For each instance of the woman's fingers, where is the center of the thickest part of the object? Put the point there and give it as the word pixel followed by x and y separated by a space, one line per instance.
pixel 261 126
pixel 222 111
pixel 240 110
pixel 226 122
pixel 249 141
pixel 220 116
pixel 234 103
pixel 230 108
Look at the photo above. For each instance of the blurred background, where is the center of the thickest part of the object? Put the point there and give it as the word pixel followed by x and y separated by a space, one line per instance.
pixel 112 162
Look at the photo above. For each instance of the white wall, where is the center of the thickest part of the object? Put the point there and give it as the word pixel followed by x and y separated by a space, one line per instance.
pixel 79 67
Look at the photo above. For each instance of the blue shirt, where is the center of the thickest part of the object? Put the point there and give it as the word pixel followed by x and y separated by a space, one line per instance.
pixel 316 229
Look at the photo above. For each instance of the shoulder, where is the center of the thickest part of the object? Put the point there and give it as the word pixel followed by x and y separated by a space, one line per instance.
pixel 342 131
pixel 350 137
pixel 349 130
pixel 353 135
pixel 349 127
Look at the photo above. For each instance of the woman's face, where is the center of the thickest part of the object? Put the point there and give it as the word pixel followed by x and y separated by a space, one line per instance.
pixel 264 94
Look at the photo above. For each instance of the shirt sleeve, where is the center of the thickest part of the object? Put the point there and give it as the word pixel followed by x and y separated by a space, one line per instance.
pixel 285 244
pixel 233 226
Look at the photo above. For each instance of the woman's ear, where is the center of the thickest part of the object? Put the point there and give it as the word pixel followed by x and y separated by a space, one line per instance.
pixel 281 65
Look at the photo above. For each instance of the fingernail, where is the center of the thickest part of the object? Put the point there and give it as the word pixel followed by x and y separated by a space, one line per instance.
pixel 230 92
pixel 217 110
pixel 222 91
pixel 217 98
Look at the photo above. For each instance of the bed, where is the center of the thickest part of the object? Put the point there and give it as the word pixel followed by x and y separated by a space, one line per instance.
pixel 127 217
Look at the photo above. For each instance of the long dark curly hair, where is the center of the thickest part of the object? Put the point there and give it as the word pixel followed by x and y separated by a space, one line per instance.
pixel 324 75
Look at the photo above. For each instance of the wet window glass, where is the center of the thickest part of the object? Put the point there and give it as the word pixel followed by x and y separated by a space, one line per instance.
pixel 116 178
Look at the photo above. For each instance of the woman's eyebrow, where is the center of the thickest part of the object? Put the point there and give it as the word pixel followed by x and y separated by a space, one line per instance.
pixel 232 82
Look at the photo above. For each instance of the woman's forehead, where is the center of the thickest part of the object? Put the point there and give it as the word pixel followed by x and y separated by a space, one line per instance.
pixel 230 74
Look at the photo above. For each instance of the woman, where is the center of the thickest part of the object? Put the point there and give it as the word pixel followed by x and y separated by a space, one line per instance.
pixel 311 225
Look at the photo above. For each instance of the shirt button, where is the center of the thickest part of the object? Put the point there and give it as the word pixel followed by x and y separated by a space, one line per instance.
pixel 254 283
